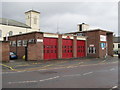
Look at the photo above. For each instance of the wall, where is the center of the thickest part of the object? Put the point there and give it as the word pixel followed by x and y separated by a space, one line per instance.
pixel 5 29
pixel 110 44
pixel 35 50
pixel 20 50
pixel 93 39
pixel 30 19
pixel 102 51
pixel 4 51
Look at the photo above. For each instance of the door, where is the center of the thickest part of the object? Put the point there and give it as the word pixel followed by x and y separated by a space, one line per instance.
pixel 67 48
pixel 81 48
pixel 50 48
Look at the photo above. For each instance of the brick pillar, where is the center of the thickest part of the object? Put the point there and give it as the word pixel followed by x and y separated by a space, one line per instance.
pixel 59 46
pixel 75 47
pixel 110 44
pixel 35 51
pixel 4 51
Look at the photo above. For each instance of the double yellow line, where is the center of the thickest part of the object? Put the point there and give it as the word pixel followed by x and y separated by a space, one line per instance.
pixel 7 66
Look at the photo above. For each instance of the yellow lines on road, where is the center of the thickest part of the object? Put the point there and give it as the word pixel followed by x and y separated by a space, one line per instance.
pixel 24 65
pixel 7 66
pixel 41 68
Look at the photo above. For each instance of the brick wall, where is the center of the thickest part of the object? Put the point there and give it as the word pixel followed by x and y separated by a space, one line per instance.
pixel 110 44
pixel 93 39
pixel 4 51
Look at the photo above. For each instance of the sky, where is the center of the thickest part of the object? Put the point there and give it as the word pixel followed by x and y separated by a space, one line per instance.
pixel 65 16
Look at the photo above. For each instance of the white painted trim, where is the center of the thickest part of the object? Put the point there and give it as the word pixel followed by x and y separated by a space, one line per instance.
pixel 50 35
pixel 81 38
pixel 65 37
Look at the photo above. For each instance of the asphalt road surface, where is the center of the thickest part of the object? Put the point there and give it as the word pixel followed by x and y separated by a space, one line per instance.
pixel 69 74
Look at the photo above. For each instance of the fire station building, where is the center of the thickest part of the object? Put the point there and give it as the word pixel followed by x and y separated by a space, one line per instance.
pixel 37 45
pixel 99 42
pixel 46 46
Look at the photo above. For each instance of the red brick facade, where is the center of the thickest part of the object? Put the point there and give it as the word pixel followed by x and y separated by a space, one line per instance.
pixel 36 49
pixel 4 51
pixel 99 44
pixel 93 40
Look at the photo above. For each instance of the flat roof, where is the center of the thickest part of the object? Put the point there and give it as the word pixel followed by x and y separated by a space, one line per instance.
pixel 92 30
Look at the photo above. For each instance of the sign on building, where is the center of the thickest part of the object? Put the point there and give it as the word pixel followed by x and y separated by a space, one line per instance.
pixel 102 38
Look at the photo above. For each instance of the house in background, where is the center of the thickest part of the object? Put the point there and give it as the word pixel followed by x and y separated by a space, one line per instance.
pixel 9 27
pixel 116 44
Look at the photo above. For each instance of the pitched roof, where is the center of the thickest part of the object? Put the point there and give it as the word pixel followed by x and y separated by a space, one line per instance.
pixel 32 11
pixel 116 39
pixel 11 22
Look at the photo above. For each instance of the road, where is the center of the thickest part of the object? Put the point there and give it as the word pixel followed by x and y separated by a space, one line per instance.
pixel 69 74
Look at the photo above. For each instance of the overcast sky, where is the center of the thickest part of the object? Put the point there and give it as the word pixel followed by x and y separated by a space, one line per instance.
pixel 103 15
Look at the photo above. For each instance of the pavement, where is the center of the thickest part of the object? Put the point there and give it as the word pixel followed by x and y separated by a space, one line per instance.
pixel 70 73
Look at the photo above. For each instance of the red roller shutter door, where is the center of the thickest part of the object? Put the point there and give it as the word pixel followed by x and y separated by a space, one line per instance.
pixel 50 48
pixel 81 48
pixel 67 48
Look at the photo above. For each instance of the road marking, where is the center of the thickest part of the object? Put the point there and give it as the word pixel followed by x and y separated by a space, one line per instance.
pixel 72 75
pixel 114 87
pixel 22 82
pixel 49 78
pixel 81 62
pixel 87 73
pixel 41 69
pixel 7 66
pixel 112 69
pixel 103 61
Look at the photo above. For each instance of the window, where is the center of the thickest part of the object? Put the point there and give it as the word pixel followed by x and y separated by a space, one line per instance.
pixel 10 33
pixel 10 43
pixel 32 41
pixel 91 50
pixel 20 32
pixel 19 43
pixel 118 45
pixel 80 34
pixel 24 42
pixel 0 33
pixel 14 43
pixel 35 20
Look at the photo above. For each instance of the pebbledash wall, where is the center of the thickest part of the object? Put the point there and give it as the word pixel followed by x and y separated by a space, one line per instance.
pixel 99 42
pixel 45 46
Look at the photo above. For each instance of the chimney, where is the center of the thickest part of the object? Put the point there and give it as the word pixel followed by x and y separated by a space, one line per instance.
pixel 83 27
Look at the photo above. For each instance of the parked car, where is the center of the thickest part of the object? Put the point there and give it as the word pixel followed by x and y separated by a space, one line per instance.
pixel 13 55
